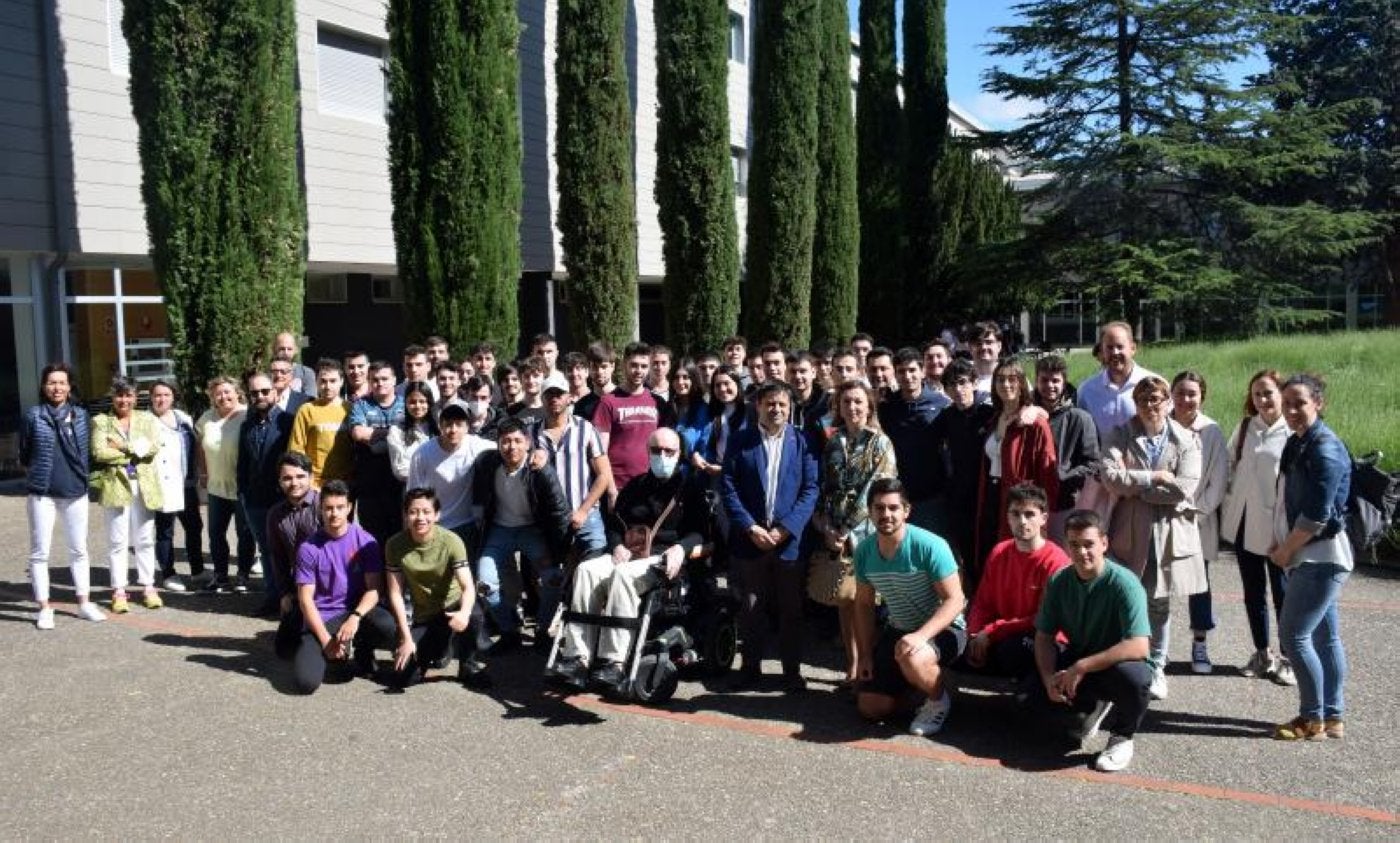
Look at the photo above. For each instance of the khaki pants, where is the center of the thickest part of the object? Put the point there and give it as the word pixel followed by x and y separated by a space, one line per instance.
pixel 602 588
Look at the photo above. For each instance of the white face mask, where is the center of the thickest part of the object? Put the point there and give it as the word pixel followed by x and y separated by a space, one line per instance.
pixel 662 466
pixel 477 407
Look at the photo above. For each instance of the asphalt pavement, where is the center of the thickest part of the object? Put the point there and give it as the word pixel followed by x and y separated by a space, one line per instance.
pixel 180 723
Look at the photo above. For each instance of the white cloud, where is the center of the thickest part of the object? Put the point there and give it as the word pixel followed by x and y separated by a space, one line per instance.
pixel 999 113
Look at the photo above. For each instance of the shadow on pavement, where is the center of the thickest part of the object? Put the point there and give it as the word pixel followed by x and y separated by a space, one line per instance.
pixel 252 657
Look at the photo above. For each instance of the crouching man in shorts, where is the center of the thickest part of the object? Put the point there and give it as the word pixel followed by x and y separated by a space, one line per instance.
pixel 916 573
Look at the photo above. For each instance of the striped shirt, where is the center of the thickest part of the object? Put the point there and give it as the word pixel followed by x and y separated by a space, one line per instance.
pixel 907 580
pixel 573 457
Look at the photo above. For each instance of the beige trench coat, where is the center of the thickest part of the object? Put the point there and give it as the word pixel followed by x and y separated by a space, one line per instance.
pixel 1154 516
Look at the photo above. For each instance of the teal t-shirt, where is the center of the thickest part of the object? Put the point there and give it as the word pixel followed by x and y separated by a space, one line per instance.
pixel 906 580
pixel 1097 614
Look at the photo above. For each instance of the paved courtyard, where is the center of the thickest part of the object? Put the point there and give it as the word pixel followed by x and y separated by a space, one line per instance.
pixel 180 723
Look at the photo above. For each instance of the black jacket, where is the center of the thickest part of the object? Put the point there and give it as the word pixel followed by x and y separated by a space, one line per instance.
pixel 644 498
pixel 261 443
pixel 547 504
pixel 1077 450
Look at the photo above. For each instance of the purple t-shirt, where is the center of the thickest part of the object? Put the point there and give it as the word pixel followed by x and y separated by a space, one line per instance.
pixel 629 419
pixel 337 568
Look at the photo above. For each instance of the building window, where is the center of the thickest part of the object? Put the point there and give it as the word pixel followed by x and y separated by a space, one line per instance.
pixel 386 289
pixel 736 37
pixel 326 289
pixel 350 76
pixel 739 163
pixel 118 54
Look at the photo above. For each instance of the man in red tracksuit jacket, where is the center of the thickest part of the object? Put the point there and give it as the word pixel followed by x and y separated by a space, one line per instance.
pixel 1001 622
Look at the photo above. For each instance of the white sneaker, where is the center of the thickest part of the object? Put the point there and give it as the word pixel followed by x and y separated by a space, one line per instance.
pixel 257 568
pixel 88 611
pixel 929 719
pixel 1200 658
pixel 1261 664
pixel 44 620
pixel 174 582
pixel 1094 720
pixel 1283 672
pixel 1116 756
pixel 1158 689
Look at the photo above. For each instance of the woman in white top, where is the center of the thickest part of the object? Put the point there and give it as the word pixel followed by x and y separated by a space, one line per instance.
pixel 176 464
pixel 417 427
pixel 1188 394
pixel 218 431
pixel 1247 519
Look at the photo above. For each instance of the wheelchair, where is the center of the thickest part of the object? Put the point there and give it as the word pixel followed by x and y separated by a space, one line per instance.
pixel 686 627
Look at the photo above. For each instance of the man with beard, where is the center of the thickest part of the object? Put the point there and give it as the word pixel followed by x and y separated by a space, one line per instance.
pixel 261 442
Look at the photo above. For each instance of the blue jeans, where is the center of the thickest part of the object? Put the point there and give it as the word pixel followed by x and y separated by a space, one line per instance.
pixel 502 543
pixel 221 511
pixel 1312 638
pixel 256 517
pixel 591 540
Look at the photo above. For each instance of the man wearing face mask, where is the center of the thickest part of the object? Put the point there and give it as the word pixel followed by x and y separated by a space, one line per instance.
pixel 659 519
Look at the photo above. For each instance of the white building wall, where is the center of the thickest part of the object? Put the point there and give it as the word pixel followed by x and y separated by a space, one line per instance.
pixel 102 157
pixel 26 211
pixel 348 204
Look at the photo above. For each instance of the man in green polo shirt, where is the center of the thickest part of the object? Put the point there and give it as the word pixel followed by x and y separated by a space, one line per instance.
pixel 430 564
pixel 1101 609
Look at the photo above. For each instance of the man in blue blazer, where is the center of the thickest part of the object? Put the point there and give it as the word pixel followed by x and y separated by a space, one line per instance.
pixel 770 489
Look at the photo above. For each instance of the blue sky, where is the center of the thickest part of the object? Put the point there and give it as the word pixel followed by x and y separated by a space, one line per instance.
pixel 969 28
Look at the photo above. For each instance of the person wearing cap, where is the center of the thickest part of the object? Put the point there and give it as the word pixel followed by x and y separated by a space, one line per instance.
pixel 444 464
pixel 581 464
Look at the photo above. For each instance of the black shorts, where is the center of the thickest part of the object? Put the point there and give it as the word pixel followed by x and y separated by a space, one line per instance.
pixel 886 677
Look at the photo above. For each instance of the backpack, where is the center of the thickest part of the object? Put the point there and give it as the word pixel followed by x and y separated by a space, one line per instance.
pixel 1371 503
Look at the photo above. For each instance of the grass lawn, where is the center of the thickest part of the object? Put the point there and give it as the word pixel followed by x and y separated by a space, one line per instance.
pixel 1361 369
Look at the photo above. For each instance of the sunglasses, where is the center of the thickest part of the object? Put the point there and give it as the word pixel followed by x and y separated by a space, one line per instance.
pixel 267 391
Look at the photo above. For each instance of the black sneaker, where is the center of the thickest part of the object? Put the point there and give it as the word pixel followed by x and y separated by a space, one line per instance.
pixel 473 676
pixel 240 585
pixel 217 585
pixel 608 677
pixel 570 670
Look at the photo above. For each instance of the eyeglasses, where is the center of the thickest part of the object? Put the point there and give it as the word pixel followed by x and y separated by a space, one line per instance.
pixel 267 391
pixel 1151 400
pixel 667 452
pixel 281 371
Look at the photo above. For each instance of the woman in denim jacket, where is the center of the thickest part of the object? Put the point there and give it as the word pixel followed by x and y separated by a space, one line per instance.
pixel 1312 547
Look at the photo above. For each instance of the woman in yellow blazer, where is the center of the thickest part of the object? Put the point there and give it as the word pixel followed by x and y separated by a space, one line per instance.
pixel 124 446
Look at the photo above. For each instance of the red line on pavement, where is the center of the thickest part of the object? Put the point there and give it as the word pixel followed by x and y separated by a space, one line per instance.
pixel 932 753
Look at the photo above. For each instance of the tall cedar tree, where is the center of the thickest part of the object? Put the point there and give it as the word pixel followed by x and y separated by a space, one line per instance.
pixel 880 153
pixel 979 234
pixel 597 202
pixel 926 117
pixel 214 93
pixel 454 163
pixel 836 238
pixel 1119 86
pixel 694 180
pixel 1345 53
pixel 783 173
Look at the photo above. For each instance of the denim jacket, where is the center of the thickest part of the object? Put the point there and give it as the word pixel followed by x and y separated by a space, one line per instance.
pixel 1318 471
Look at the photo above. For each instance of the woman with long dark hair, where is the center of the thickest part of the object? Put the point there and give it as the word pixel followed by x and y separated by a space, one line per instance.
pixel 688 400
pixel 418 426
pixel 54 447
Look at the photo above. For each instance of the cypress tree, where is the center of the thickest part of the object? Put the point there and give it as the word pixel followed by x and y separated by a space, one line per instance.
pixel 926 118
pixel 694 182
pixel 214 93
pixel 783 173
pixel 880 149
pixel 836 240
pixel 593 150
pixel 454 162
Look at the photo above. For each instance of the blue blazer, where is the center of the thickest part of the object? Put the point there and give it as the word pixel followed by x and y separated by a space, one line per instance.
pixel 746 472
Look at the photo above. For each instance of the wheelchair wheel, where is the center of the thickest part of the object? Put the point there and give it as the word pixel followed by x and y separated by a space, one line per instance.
pixel 657 679
pixel 720 645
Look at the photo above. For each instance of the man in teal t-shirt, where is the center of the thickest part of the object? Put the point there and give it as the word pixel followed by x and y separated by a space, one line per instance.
pixel 1101 609
pixel 914 570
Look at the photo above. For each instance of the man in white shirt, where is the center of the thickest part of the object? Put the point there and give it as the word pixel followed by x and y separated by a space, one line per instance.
pixel 1108 395
pixel 444 464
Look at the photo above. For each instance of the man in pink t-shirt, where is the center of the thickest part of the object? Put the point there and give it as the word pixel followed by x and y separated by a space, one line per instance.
pixel 627 416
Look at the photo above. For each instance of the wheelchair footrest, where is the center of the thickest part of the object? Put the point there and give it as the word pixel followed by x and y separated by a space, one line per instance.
pixel 602 620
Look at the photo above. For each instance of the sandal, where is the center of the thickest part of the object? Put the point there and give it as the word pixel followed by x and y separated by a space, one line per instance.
pixel 1334 727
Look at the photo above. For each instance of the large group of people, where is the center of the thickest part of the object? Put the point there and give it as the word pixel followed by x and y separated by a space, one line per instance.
pixel 963 512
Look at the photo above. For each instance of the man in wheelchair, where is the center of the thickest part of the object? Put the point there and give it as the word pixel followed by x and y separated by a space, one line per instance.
pixel 659 520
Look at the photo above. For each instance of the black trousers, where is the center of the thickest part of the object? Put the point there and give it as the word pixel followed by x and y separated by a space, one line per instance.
pixel 1125 685
pixel 766 581
pixel 193 523
pixel 376 632
pixel 1014 657
pixel 434 639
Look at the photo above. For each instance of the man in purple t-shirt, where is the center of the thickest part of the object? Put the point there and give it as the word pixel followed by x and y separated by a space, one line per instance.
pixel 339 572
pixel 626 418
